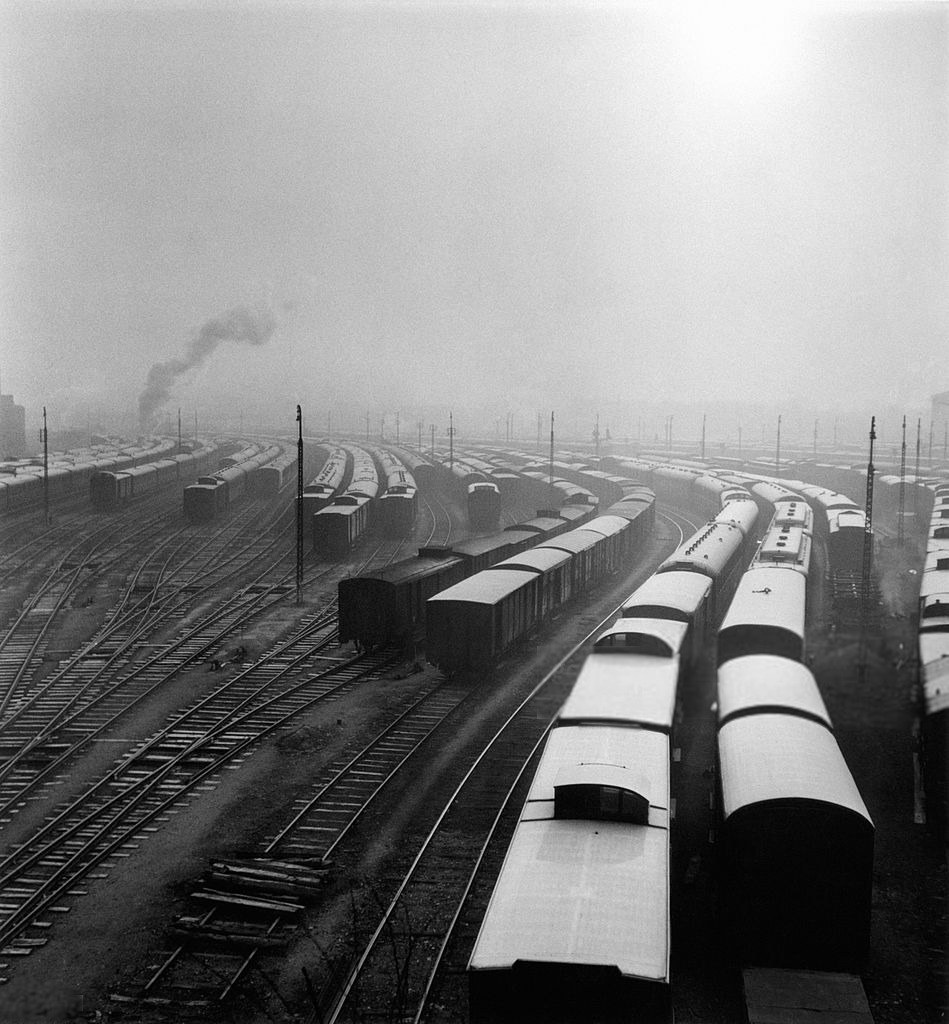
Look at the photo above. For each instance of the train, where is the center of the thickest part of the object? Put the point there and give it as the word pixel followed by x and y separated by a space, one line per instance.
pixel 114 488
pixel 398 505
pixel 212 495
pixel 796 840
pixel 933 662
pixel 578 924
pixel 341 523
pixel 324 487
pixel 69 473
pixel 475 621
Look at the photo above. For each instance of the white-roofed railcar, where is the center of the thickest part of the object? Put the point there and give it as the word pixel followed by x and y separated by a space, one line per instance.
pixel 794 513
pixel 715 551
pixel 766 616
pixel 680 596
pixel 786 547
pixel 339 525
pixel 933 655
pixel 756 682
pixel 578 924
pixel 321 490
pixel 796 844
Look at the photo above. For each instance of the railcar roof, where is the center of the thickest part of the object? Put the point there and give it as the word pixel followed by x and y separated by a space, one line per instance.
pixel 680 591
pixel 768 597
pixel 607 525
pixel 643 752
pixel 775 757
pixel 408 569
pixel 487 587
pixel 574 541
pixel 639 690
pixel 767 681
pixel 667 635
pixel 539 559
pixel 581 892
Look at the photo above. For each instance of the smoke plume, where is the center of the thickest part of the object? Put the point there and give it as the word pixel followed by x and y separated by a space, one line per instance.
pixel 249 326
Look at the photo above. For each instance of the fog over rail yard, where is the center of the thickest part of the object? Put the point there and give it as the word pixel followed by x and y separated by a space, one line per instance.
pixel 474 512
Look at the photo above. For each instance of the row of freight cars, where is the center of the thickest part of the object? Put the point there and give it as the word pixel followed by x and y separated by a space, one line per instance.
pixel 933 651
pixel 578 925
pixel 388 605
pixel 357 489
pixel 22 484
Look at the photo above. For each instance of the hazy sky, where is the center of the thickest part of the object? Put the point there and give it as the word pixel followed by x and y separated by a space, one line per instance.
pixel 529 204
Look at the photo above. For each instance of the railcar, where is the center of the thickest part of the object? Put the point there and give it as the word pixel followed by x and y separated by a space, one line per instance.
pixel 339 525
pixel 242 455
pixel 766 616
pixel 681 597
pixel 112 488
pixel 205 499
pixel 271 478
pixel 845 539
pixel 794 512
pixel 321 490
pixel 477 620
pixel 796 840
pixel 578 923
pixel 787 547
pixel 715 551
pixel 484 505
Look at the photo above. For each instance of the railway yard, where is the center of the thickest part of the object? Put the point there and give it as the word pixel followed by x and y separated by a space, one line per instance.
pixel 212 809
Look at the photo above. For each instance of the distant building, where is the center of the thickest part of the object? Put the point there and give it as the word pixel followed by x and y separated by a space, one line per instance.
pixel 12 428
pixel 940 420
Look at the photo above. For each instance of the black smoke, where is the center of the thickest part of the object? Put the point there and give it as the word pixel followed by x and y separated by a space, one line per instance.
pixel 247 326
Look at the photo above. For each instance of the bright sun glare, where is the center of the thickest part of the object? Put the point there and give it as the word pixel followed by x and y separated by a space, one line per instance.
pixel 739 48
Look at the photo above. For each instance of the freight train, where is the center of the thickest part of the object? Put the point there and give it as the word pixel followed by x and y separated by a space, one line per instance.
pixel 69 474
pixel 114 488
pixel 212 495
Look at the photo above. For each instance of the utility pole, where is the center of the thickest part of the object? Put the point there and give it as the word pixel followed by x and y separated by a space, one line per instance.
pixel 397 426
pixel 902 511
pixel 867 559
pixel 670 432
pixel 815 438
pixel 777 452
pixel 551 477
pixel 195 426
pixel 451 440
pixel 419 435
pixel 540 422
pixel 46 469
pixel 739 440
pixel 835 433
pixel 703 436
pixel 367 426
pixel 179 428
pixel 240 422
pixel 596 437
pixel 433 440
pixel 930 445
pixel 299 503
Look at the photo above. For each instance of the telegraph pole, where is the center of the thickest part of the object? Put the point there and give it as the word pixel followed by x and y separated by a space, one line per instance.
pixel 703 436
pixel 739 440
pixel 551 478
pixel 195 426
pixel 451 440
pixel 867 558
pixel 397 424
pixel 815 438
pixel 930 445
pixel 596 437
pixel 419 435
pixel 46 469
pixel 299 503
pixel 179 428
pixel 433 440
pixel 900 538
pixel 367 425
